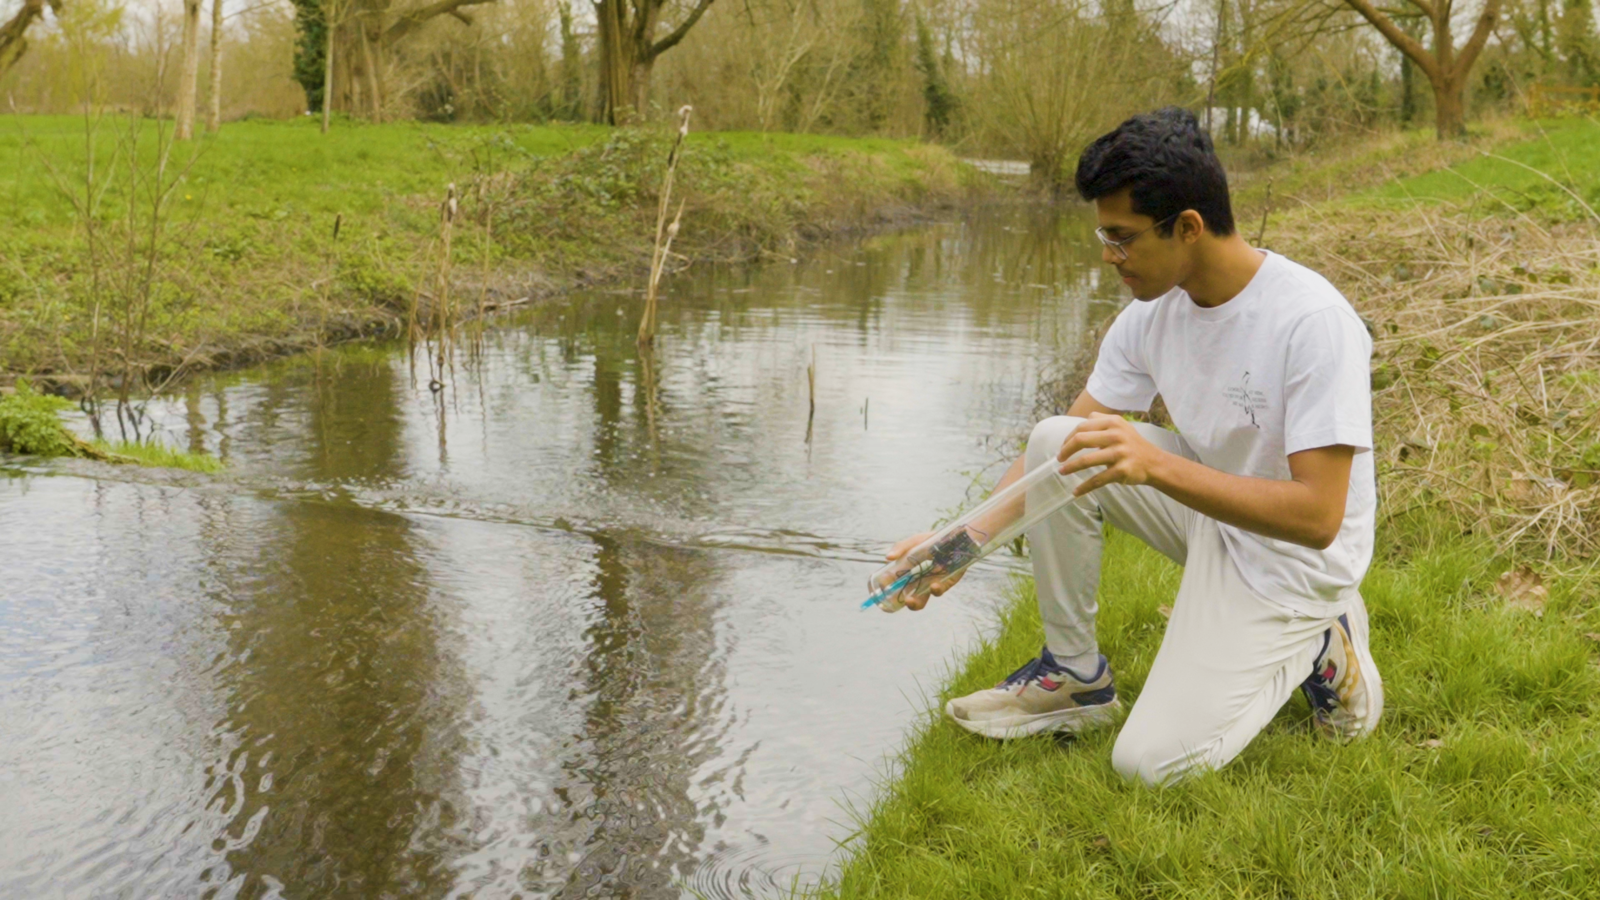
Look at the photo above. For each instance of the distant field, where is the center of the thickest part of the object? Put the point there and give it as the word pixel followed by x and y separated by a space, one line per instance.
pixel 260 167
pixel 1556 157
pixel 275 168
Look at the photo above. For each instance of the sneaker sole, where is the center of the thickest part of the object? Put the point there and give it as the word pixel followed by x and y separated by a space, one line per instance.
pixel 1068 720
pixel 1370 678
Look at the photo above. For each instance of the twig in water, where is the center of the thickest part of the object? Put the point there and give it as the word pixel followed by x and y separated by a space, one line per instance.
pixel 811 391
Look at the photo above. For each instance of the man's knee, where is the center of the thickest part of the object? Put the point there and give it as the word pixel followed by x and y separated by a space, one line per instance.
pixel 1135 762
pixel 1153 762
pixel 1048 436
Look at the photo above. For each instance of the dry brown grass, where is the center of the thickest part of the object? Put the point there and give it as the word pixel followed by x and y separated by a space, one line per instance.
pixel 1486 364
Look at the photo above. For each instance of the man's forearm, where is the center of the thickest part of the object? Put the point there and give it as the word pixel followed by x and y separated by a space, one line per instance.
pixel 1285 510
pixel 1001 516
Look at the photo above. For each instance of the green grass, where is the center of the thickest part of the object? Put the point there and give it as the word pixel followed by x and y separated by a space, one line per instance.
pixel 248 249
pixel 158 456
pixel 1483 780
pixel 267 168
pixel 1558 158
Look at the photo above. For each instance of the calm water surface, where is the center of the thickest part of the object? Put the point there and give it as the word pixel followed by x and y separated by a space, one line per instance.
pixel 579 625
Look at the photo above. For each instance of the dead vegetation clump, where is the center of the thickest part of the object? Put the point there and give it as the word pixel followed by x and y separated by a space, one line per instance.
pixel 1486 364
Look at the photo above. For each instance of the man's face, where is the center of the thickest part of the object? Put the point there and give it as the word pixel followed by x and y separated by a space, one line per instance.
pixel 1154 264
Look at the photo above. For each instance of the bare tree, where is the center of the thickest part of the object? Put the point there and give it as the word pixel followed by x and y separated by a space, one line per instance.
pixel 214 110
pixel 1445 65
pixel 628 51
pixel 366 38
pixel 1056 72
pixel 189 74
pixel 14 33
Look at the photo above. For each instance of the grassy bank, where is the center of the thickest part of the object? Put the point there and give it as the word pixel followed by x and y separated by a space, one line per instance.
pixel 140 258
pixel 1484 779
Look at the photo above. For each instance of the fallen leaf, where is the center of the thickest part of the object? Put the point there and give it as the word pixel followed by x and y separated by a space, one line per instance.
pixel 1522 588
pixel 1165 610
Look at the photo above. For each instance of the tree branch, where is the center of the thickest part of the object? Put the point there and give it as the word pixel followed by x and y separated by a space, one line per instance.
pixel 13 34
pixel 1426 6
pixel 1480 36
pixel 1403 42
pixel 671 40
pixel 411 21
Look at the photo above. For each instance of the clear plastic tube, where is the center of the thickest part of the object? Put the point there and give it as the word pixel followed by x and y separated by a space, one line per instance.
pixel 971 537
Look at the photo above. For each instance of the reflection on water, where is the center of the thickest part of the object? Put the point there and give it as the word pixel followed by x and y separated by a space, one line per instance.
pixel 583 624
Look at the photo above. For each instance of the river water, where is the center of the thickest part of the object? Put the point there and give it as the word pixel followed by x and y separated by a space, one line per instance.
pixel 574 626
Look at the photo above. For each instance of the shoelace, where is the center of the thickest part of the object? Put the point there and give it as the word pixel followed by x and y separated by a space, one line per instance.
pixel 1033 670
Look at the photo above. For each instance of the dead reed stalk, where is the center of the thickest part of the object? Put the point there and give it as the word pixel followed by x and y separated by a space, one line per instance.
pixel 665 232
pixel 433 328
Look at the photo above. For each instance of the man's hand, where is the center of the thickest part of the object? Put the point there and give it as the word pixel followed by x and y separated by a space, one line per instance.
pixel 938 587
pixel 1113 442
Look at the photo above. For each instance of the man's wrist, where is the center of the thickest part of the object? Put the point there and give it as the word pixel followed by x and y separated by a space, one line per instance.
pixel 1163 471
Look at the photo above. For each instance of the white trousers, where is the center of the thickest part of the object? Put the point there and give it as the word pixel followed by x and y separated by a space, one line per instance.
pixel 1230 658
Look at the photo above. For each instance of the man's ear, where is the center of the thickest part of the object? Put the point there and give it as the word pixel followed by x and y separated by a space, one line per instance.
pixel 1190 226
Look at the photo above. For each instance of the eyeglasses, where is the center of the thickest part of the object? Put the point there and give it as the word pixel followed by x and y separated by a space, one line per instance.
pixel 1118 248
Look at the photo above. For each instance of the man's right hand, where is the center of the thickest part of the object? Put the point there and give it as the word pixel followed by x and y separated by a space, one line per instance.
pixel 938 587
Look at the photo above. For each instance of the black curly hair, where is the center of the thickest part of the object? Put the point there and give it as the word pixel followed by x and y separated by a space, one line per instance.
pixel 1166 162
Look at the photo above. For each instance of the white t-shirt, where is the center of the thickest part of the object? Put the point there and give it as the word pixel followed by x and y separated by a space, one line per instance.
pixel 1280 368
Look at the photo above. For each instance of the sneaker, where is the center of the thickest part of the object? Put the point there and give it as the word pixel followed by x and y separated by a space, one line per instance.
pixel 1345 690
pixel 1041 696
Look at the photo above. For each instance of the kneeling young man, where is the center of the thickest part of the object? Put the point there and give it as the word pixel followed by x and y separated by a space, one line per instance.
pixel 1265 495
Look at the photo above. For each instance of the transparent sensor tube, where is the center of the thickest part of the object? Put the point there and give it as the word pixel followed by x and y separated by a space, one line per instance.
pixel 989 526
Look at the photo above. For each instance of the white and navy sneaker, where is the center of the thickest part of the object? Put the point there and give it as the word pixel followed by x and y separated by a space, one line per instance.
pixel 1344 689
pixel 1041 696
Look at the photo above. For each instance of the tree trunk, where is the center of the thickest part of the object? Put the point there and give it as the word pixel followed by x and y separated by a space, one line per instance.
pixel 1446 66
pixel 571 66
pixel 371 56
pixel 640 84
pixel 616 63
pixel 1449 104
pixel 214 111
pixel 628 51
pixel 189 74
pixel 327 68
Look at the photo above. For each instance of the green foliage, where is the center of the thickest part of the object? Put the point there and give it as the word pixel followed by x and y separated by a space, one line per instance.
pixel 1482 781
pixel 29 423
pixel 936 93
pixel 372 275
pixel 310 49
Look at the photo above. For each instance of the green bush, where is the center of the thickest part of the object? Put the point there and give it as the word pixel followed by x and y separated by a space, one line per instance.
pixel 29 424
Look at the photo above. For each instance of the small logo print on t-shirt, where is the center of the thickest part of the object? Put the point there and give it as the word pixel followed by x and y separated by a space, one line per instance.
pixel 1246 399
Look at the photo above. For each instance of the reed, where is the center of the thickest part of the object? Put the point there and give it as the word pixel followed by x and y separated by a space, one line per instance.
pixel 432 328
pixel 665 232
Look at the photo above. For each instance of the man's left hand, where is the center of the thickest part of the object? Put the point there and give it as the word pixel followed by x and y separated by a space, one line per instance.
pixel 1113 442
